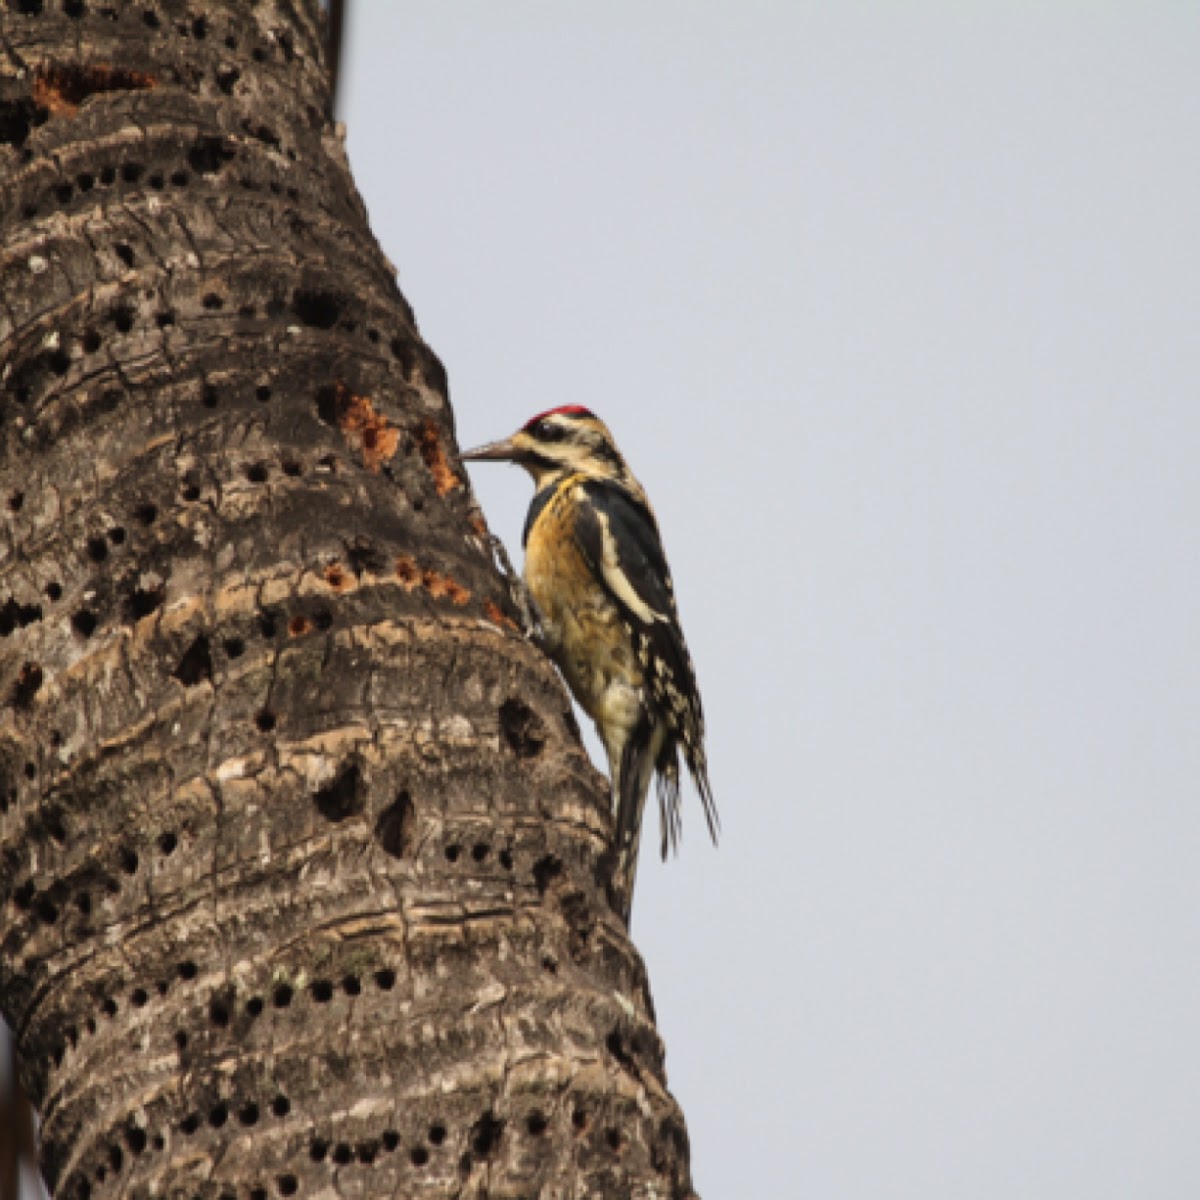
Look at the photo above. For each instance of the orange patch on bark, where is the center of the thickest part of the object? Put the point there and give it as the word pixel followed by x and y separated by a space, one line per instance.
pixel 62 89
pixel 430 445
pixel 442 585
pixel 375 436
pixel 298 626
pixel 336 577
pixel 477 523
pixel 411 576
pixel 492 611
pixel 407 572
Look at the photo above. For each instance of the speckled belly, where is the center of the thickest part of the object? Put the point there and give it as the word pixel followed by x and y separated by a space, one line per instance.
pixel 584 632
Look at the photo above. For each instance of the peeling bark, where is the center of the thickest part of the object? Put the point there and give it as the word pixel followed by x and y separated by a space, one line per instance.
pixel 304 875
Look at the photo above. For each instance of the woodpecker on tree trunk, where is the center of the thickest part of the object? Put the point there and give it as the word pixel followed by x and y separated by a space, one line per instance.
pixel 596 570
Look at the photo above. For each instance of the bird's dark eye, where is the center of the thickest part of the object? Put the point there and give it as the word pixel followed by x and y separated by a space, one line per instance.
pixel 548 431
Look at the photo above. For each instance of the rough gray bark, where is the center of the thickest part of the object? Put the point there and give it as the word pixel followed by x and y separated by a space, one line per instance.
pixel 303 871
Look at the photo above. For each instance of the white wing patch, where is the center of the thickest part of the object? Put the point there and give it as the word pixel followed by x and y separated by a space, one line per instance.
pixel 618 581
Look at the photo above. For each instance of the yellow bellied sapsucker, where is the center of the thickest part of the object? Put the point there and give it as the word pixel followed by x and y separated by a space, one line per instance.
pixel 595 569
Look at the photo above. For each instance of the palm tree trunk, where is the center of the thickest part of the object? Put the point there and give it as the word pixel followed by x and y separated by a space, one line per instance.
pixel 304 875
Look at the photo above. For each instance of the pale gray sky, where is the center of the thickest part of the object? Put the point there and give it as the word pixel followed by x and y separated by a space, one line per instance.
pixel 895 309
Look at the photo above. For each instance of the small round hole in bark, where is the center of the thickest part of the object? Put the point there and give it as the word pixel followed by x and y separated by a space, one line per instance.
pixel 282 996
pixel 281 1106
pixel 452 852
pixel 97 549
pixel 109 1007
pixel 536 1124
pixel 165 320
pixel 437 1134
pixel 167 843
pixel 234 647
pixel 291 468
pixel 180 178
pixel 506 859
pixel 343 797
pixel 143 601
pixel 131 172
pixel 318 1149
pixel 352 985
pixel 124 253
pixel 138 997
pixel 367 1152
pixel 613 1138
pixel 91 342
pixel 262 394
pixel 248 1114
pixel 150 19
pixel 265 720
pixel 479 851
pixel 419 1156
pixel 190 492
pixel 189 1124
pixel 135 1139
pixel 322 991
pixel 187 970
pixel 394 828
pixel 212 301
pixel 385 980
pixel 218 1114
pixel 254 1006
pixel 116 1156
pixel 53 591
pixel 146 513
pixel 391 1140
pixel 116 535
pixel 209 397
pixel 127 859
pixel 156 181
pixel 108 175
pixel 266 625
pixel 257 472
pixel 63 193
pixel 84 622
pixel 15 500
pixel 218 1014
pixel 83 902
pixel 123 319
pixel 196 664
pixel 523 729
pixel 342 1154
pixel 85 181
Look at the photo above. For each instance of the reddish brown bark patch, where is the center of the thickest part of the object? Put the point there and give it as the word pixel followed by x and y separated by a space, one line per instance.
pixel 60 89
pixel 336 577
pixel 439 586
pixel 376 438
pixel 430 444
pixel 492 611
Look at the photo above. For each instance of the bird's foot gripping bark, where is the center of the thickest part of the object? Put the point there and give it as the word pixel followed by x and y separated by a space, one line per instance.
pixel 532 625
